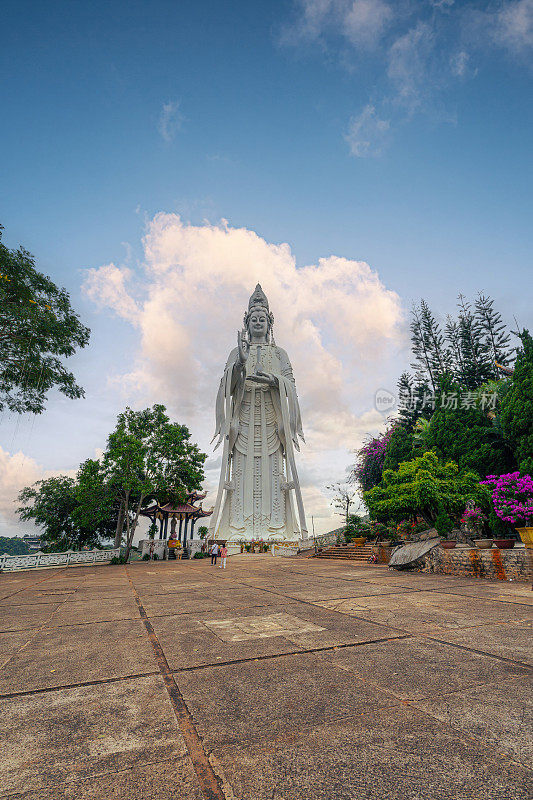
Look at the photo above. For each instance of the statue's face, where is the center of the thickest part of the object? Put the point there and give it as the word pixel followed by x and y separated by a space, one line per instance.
pixel 258 323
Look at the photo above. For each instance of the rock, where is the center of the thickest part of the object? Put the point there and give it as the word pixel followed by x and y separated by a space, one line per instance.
pixel 431 534
pixel 404 556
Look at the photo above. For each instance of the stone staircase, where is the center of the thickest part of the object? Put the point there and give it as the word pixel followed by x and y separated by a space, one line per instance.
pixel 349 552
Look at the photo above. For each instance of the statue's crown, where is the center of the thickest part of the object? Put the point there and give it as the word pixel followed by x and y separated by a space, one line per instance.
pixel 258 299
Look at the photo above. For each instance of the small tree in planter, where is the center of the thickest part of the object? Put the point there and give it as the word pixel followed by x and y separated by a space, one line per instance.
pixel 474 521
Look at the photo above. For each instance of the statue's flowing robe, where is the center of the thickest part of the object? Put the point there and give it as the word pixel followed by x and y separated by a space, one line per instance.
pixel 259 426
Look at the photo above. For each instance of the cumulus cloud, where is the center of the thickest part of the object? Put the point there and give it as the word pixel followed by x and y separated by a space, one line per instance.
pixel 341 326
pixel 170 120
pixel 16 472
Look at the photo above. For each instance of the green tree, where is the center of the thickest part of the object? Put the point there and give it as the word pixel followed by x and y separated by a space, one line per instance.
pixel 424 487
pixel 516 412
pixel 476 363
pixel 466 435
pixel 13 546
pixel 97 506
pixel 146 456
pixel 51 505
pixel 496 334
pixel 399 448
pixel 38 328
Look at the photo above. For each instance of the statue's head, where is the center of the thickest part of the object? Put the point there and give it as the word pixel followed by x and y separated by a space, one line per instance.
pixel 258 320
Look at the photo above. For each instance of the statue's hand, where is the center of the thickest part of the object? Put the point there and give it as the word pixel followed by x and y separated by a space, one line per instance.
pixel 244 347
pixel 266 377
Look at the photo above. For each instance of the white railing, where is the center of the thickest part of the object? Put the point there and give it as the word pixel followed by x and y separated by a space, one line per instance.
pixel 34 560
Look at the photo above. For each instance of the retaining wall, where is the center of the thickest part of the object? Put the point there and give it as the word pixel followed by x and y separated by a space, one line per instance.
pixel 493 564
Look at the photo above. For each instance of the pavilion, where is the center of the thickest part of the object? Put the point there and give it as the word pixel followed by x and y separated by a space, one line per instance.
pixel 187 513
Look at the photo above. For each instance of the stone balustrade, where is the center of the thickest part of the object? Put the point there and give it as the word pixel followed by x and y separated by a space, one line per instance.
pixel 70 558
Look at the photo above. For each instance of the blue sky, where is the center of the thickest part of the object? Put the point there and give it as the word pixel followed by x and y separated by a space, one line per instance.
pixel 398 134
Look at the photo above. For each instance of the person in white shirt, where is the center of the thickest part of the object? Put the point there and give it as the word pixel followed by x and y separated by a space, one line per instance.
pixel 214 553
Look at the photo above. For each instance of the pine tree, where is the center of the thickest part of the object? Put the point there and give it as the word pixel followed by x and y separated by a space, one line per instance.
pixel 453 341
pixel 516 412
pixel 436 348
pixel 474 349
pixel 496 334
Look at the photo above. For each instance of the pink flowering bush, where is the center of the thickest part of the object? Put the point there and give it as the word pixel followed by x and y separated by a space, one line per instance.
pixel 512 497
pixel 473 516
pixel 368 467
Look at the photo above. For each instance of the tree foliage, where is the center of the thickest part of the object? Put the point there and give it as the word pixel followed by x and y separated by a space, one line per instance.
pixel 38 329
pixel 468 351
pixel 516 412
pixel 424 486
pixel 466 435
pixel 13 546
pixel 148 455
pixel 51 504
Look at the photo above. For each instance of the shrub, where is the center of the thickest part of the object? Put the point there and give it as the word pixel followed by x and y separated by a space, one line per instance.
pixel 424 487
pixel 443 524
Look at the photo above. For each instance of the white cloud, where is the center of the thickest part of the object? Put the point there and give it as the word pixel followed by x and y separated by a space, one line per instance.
pixel 366 20
pixel 409 54
pixel 341 326
pixel 367 133
pixel 408 64
pixel 514 25
pixel 360 22
pixel 107 287
pixel 16 472
pixel 170 120
pixel 459 63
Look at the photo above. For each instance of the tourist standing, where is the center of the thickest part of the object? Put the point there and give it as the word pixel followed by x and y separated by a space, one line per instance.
pixel 214 553
pixel 223 556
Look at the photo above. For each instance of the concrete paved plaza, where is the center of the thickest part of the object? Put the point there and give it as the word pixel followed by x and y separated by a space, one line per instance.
pixel 275 679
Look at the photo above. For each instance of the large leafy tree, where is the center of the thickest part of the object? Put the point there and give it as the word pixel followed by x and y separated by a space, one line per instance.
pixel 97 506
pixel 516 413
pixel 148 455
pixel 424 487
pixel 38 329
pixel 51 504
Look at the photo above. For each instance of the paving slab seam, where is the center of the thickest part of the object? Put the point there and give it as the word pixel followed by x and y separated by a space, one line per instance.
pixel 25 588
pixel 489 599
pixel 65 686
pixel 507 755
pixel 34 632
pixel 477 652
pixel 329 648
pixel 210 783
pixel 31 793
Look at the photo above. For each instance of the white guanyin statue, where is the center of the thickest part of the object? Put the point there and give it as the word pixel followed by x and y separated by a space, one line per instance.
pixel 258 421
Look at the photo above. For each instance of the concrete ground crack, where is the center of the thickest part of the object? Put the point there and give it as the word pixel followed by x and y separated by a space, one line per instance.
pixel 210 784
